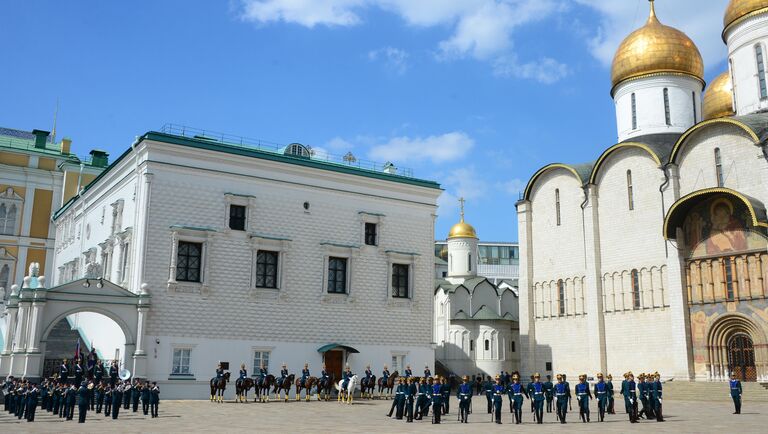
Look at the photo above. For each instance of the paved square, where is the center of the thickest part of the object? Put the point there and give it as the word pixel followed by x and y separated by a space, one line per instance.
pixel 369 416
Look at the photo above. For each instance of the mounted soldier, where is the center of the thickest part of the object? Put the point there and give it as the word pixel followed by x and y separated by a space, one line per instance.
pixel 262 374
pixel 305 375
pixel 243 375
pixel 346 376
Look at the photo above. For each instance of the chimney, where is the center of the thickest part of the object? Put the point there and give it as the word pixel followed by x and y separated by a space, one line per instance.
pixel 99 158
pixel 66 146
pixel 390 168
pixel 41 137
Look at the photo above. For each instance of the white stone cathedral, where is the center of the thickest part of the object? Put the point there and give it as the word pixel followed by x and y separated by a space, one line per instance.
pixel 654 255
pixel 476 323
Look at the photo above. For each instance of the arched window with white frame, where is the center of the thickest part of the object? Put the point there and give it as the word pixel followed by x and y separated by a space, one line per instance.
pixel 760 60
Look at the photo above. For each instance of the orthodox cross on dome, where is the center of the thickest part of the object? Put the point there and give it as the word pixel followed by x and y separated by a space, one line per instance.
pixel 461 206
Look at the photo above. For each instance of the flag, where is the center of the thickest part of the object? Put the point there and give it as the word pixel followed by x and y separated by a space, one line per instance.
pixel 77 349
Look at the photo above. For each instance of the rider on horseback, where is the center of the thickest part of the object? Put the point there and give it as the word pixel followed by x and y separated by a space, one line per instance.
pixel 408 372
pixel 427 372
pixel 304 375
pixel 368 374
pixel 347 376
pixel 324 375
pixel 219 374
pixel 262 373
pixel 243 375
pixel 385 374
pixel 284 372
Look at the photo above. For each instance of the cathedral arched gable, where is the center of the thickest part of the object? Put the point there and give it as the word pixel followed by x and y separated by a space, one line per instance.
pixel 617 149
pixel 537 177
pixel 688 137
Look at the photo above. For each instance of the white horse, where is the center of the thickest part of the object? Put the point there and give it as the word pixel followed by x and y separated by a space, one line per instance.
pixel 349 391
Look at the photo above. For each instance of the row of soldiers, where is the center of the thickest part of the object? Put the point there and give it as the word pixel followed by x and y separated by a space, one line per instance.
pixel 21 398
pixel 647 391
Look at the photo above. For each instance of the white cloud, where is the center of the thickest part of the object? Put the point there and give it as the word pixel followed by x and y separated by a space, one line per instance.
pixel 394 59
pixel 513 187
pixel 308 13
pixel 701 20
pixel 437 149
pixel 338 144
pixel 480 29
pixel 545 70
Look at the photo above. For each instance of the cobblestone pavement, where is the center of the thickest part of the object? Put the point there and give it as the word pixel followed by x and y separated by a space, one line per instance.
pixel 369 416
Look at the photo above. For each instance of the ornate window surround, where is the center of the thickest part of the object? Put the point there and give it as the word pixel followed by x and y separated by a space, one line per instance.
pixel 194 235
pixel 404 258
pixel 9 260
pixel 351 253
pixel 9 197
pixel 370 217
pixel 277 244
pixel 249 202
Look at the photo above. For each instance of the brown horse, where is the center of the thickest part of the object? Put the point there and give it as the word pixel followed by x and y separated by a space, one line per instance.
pixel 218 386
pixel 283 384
pixel 324 387
pixel 242 387
pixel 262 389
pixel 388 386
pixel 367 387
pixel 308 384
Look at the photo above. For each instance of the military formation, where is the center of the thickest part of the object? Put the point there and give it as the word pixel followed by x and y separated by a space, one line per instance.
pixel 414 397
pixel 94 389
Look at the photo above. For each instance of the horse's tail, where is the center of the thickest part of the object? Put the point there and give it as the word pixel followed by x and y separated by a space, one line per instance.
pixel 337 386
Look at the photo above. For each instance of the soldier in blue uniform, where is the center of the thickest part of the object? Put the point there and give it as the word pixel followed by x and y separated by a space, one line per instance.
pixel 583 395
pixel 385 375
pixel 145 397
pixel 601 394
pixel 64 372
pixel 408 373
pixel 516 391
pixel 421 398
pixel 631 397
pixel 548 388
pixel 465 399
pixel 113 373
pixel 609 386
pixel 98 372
pixel 445 393
pixel 263 373
pixel 642 395
pixel 399 393
pixel 656 396
pixel 561 395
pixel 117 400
pixel 437 400
pixel 242 375
pixel 735 387
pixel 411 390
pixel 488 391
pixel 154 398
pixel 78 372
pixel 304 375
pixel 623 392
pixel 498 396
pixel 427 372
pixel 82 402
pixel 32 402
pixel 368 375
pixel 71 400
pixel 284 372
pixel 537 396
pixel 346 376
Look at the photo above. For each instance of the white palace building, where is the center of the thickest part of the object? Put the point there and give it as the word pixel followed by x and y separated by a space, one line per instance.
pixel 205 249
pixel 655 255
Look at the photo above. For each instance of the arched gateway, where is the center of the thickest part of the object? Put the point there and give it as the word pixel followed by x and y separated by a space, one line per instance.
pixel 33 310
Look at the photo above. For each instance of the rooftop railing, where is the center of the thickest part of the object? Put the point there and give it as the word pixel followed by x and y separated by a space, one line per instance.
pixel 348 160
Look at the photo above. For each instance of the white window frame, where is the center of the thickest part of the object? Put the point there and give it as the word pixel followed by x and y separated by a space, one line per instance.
pixel 202 236
pixel 10 198
pixel 371 217
pixel 181 347
pixel 274 244
pixel 402 357
pixel 6 259
pixel 404 258
pixel 249 202
pixel 254 350
pixel 339 251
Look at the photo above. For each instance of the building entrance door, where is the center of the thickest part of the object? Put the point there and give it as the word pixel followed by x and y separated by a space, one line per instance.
pixel 741 357
pixel 334 360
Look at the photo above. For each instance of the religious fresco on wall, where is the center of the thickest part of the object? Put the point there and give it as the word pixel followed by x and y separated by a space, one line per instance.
pixel 721 225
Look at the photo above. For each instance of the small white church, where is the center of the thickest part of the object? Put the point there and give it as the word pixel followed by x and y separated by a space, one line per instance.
pixel 476 322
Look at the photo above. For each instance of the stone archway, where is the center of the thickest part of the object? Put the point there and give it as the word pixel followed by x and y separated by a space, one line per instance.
pixel 33 310
pixel 736 345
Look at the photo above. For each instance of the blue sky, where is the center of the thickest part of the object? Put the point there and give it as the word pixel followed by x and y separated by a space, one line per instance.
pixel 475 94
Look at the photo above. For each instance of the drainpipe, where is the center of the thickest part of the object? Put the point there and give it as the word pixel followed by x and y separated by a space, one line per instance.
pixel 584 187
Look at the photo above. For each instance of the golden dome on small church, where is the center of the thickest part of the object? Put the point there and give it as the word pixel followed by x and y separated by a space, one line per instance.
pixel 462 229
pixel 718 98
pixel 738 9
pixel 656 48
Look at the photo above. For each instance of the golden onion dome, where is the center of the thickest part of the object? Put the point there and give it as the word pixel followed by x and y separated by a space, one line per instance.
pixel 740 9
pixel 656 49
pixel 462 230
pixel 718 98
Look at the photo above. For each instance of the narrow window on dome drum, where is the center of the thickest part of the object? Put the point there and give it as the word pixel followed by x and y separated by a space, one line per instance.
pixel 761 71
pixel 630 191
pixel 634 112
pixel 719 168
pixel 667 116
pixel 557 206
pixel 695 114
